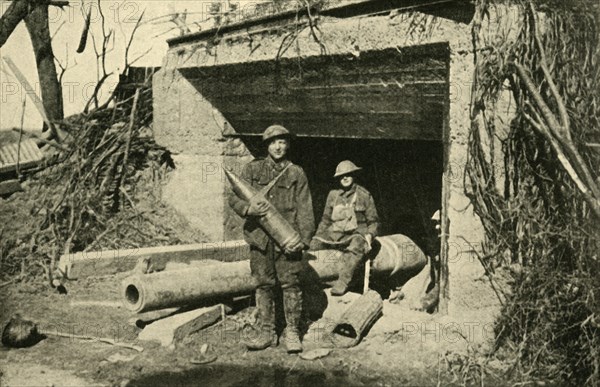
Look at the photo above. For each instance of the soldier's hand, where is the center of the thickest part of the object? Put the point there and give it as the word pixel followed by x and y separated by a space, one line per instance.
pixel 258 207
pixel 295 248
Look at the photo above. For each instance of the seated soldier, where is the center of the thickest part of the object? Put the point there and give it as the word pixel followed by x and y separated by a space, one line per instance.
pixel 349 224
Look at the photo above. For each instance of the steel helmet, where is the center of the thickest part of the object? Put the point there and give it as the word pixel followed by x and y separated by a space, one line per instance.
pixel 275 131
pixel 346 167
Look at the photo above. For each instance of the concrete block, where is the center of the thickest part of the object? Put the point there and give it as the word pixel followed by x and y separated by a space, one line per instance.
pixel 173 329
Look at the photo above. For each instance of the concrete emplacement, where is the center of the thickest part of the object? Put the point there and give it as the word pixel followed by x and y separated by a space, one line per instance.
pixel 365 54
pixel 144 292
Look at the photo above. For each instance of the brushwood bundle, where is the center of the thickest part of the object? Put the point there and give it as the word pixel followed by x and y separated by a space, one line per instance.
pixel 540 208
pixel 102 193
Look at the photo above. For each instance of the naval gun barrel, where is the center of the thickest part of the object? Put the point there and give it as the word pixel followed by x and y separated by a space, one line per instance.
pixel 144 292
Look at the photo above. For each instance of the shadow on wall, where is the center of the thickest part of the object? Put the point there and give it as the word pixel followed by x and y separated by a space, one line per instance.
pixel 404 177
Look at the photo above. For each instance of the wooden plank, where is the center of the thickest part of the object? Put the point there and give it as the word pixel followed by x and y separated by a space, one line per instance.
pixel 364 103
pixel 376 126
pixel 98 263
pixel 211 316
pixel 214 87
pixel 386 60
pixel 284 76
pixel 37 102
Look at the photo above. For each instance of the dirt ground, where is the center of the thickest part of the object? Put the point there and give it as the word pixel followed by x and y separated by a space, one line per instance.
pixel 399 349
pixel 387 356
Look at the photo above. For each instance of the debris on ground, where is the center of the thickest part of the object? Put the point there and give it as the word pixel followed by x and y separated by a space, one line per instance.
pixel 20 333
pixel 100 191
pixel 170 330
pixel 315 354
pixel 355 321
pixel 8 187
pixel 19 156
pixel 204 359
pixel 119 357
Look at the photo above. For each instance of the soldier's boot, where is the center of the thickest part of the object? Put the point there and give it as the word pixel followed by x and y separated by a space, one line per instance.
pixel 292 305
pixel 348 264
pixel 264 335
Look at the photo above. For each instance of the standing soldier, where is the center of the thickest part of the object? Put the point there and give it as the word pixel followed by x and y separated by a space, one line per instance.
pixel 287 190
pixel 349 224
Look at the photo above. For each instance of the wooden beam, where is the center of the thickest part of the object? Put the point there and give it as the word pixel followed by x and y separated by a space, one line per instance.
pixel 364 103
pixel 98 263
pixel 394 126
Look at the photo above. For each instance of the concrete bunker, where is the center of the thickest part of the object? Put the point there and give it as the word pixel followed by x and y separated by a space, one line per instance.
pixel 384 110
pixel 209 112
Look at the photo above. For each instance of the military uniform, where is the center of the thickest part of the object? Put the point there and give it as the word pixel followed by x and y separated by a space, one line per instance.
pixel 338 231
pixel 290 195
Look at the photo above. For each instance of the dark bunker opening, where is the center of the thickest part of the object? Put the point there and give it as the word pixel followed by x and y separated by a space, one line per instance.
pixel 385 110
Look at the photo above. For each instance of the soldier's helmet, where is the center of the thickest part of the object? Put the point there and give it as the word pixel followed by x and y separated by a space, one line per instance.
pixel 346 167
pixel 275 131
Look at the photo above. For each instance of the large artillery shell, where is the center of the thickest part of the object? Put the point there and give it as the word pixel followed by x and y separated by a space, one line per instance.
pixel 273 223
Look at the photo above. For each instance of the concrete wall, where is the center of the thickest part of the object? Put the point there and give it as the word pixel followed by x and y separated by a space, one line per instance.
pixel 194 131
pixel 189 126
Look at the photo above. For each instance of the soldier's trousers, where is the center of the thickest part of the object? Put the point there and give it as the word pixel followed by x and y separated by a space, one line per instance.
pixel 354 249
pixel 272 266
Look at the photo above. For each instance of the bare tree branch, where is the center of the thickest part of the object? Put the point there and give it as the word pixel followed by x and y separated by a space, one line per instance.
pixel 556 130
pixel 84 32
pixel 544 65
pixel 135 28
pixel 17 11
pixel 38 28
pixel 101 53
pixel 100 62
pixel 571 164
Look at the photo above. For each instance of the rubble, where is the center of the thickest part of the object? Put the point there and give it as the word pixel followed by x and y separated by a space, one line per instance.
pixel 170 330
pixel 315 354
pixel 8 187
pixel 355 321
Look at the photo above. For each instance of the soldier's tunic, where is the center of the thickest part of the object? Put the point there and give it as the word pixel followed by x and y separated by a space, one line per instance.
pixel 351 241
pixel 291 197
pixel 364 208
